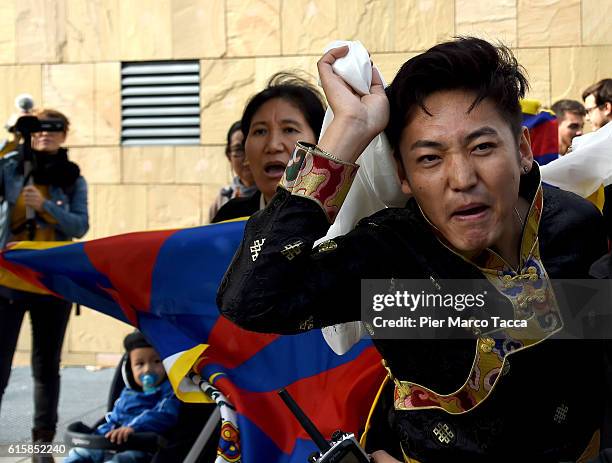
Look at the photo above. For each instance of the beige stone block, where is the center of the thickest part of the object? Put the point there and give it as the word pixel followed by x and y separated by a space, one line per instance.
pixel 148 164
pixel 173 206
pixel 120 209
pixel 40 31
pixel 99 164
pixel 146 30
pixel 536 62
pixel 389 63
pixel 107 104
pixel 198 28
pixel 201 164
pixel 367 21
pixel 109 360
pixel 574 69
pixel 93 30
pixel 224 89
pixel 303 66
pixel 548 23
pixel 24 78
pixel 95 332
pixel 8 13
pixel 209 195
pixel 307 25
pixel 420 24
pixel 21 359
pixel 253 27
pixel 596 28
pixel 72 359
pixel 24 341
pixel 494 20
pixel 69 88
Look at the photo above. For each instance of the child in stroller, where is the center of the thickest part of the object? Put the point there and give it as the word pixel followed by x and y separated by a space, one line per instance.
pixel 146 404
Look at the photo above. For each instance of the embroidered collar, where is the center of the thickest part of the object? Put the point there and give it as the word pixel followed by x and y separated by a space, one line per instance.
pixel 529 291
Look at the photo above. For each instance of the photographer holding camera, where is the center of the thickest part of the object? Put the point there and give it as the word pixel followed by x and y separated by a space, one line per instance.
pixel 47 202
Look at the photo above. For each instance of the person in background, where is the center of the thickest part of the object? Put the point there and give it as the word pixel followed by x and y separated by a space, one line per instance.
pixel 598 103
pixel 242 184
pixel 598 106
pixel 570 114
pixel 58 196
pixel 287 110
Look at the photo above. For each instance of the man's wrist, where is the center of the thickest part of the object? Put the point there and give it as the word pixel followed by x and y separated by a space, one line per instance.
pixel 346 139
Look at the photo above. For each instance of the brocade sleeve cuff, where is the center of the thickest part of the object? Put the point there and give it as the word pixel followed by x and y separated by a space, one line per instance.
pixel 314 174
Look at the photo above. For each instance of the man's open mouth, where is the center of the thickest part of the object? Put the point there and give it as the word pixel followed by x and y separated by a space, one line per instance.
pixel 470 211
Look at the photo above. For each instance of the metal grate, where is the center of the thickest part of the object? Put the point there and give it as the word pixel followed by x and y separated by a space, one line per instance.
pixel 160 103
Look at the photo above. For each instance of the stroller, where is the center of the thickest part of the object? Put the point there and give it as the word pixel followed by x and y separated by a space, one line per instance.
pixel 182 443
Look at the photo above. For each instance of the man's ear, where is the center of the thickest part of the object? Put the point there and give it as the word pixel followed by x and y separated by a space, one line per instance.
pixel 525 153
pixel 608 109
pixel 401 173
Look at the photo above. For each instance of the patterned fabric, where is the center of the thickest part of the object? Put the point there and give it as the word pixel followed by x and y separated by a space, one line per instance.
pixel 529 290
pixel 229 450
pixel 316 175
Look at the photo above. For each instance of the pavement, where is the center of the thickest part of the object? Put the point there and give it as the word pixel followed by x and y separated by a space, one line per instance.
pixel 83 397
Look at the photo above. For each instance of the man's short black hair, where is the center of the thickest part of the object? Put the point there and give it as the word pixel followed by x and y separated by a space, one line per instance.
pixel 466 63
pixel 602 91
pixel 568 106
pixel 294 89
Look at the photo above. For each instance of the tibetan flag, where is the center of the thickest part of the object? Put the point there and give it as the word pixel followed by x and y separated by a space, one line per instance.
pixel 165 284
pixel 543 130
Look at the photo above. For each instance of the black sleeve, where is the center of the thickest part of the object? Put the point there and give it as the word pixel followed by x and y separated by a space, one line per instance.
pixel 607 211
pixel 278 283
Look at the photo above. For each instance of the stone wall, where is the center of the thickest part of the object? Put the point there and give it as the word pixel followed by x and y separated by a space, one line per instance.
pixel 68 53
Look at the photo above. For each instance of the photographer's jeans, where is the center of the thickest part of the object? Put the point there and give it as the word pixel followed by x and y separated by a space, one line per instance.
pixel 49 317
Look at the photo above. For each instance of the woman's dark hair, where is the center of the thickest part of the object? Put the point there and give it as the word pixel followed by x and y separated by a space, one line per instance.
pixel 293 89
pixel 235 127
pixel 467 63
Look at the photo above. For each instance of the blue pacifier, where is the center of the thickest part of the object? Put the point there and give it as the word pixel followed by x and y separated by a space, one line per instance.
pixel 148 383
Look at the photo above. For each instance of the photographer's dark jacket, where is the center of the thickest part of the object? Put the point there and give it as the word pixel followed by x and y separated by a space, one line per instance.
pixel 66 205
pixel 548 403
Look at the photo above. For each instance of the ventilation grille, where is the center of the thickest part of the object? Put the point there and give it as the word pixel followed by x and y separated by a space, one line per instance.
pixel 160 103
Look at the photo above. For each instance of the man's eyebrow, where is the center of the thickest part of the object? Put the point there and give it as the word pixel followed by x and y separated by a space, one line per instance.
pixel 486 130
pixel 426 144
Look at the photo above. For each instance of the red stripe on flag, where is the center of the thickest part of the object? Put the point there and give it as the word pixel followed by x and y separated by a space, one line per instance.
pixel 545 138
pixel 338 398
pixel 237 345
pixel 23 272
pixel 128 264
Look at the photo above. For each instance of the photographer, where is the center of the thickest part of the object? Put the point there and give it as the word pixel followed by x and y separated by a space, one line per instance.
pixel 57 194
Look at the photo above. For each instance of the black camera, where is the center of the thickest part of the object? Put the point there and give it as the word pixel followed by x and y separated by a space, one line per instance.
pixel 31 124
pixel 342 448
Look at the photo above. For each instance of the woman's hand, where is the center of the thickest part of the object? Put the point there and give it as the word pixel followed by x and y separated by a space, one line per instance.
pixel 33 198
pixel 357 119
pixel 380 456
